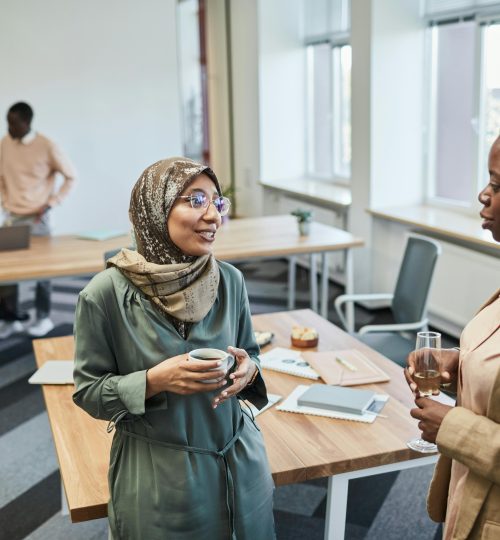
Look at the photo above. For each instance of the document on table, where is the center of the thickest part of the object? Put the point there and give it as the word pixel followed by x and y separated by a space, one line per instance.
pixel 345 367
pixel 54 372
pixel 104 234
pixel 249 407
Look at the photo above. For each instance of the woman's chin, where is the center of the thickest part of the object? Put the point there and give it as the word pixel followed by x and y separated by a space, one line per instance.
pixel 198 251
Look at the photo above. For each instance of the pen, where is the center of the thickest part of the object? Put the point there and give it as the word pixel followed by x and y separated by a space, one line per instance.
pixel 376 414
pixel 346 364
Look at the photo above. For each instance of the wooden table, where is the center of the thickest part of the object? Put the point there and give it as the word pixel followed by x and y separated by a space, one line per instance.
pixel 299 447
pixel 264 237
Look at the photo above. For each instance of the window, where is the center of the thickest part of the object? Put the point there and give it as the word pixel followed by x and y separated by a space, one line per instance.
pixel 328 90
pixel 453 117
pixel 192 76
pixel 319 111
pixel 342 111
pixel 491 91
pixel 464 112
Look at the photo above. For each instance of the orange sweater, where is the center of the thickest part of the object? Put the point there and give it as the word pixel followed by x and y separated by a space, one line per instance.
pixel 28 170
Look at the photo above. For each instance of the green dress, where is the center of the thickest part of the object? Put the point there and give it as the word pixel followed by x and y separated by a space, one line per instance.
pixel 179 469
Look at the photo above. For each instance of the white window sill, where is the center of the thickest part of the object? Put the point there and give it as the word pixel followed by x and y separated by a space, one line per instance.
pixel 446 223
pixel 314 191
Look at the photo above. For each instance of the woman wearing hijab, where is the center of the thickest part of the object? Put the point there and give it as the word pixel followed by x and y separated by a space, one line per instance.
pixel 185 462
pixel 465 489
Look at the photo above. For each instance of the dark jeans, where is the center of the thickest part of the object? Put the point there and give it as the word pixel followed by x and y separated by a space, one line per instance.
pixel 9 294
pixel 9 300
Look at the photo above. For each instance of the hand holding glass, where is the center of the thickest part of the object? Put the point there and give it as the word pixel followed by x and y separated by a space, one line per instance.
pixel 427 377
pixel 427 363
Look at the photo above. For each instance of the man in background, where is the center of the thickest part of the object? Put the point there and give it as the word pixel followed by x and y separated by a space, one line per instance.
pixel 29 163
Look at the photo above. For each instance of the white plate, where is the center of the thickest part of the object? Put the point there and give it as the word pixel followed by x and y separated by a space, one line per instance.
pixel 263 338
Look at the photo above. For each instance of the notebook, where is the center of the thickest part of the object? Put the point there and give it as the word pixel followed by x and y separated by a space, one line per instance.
pixel 14 237
pixel 54 372
pixel 105 234
pixel 252 409
pixel 290 404
pixel 345 368
pixel 336 398
pixel 287 361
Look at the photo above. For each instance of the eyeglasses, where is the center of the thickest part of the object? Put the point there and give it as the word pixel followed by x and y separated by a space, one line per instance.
pixel 200 200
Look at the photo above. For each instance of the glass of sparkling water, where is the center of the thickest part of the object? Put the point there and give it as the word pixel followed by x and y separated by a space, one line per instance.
pixel 427 377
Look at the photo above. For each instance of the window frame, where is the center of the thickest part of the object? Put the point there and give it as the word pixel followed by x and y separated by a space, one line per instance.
pixel 470 206
pixel 335 123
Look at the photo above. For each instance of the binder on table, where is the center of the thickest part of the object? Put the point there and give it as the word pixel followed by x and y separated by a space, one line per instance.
pixel 54 372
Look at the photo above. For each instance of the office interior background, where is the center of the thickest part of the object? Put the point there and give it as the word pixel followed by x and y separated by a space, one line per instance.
pixel 351 108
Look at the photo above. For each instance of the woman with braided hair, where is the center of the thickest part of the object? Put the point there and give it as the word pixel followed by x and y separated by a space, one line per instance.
pixel 185 462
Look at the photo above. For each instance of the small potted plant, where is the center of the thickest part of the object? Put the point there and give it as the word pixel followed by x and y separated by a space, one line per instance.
pixel 304 218
pixel 228 192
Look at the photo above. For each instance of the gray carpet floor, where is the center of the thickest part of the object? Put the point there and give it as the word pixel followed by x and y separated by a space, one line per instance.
pixel 389 506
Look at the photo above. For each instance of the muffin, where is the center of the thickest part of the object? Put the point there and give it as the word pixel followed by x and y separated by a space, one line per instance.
pixel 304 336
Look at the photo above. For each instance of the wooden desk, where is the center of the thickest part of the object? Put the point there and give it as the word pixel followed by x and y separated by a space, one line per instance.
pixel 299 447
pixel 239 239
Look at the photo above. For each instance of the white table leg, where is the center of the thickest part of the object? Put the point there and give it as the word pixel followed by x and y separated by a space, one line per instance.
pixel 324 285
pixel 336 507
pixel 313 274
pixel 338 484
pixel 64 502
pixel 349 289
pixel 292 266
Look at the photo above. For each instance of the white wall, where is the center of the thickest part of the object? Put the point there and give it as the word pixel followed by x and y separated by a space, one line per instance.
pixel 281 89
pixel 218 90
pixel 359 222
pixel 102 79
pixel 245 114
pixel 397 96
pixel 387 39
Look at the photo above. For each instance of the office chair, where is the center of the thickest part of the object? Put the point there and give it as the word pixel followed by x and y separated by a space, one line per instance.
pixel 111 253
pixel 408 302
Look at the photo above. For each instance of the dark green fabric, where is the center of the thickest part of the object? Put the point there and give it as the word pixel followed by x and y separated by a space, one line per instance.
pixel 159 492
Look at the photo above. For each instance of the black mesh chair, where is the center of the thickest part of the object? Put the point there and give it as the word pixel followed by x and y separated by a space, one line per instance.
pixel 408 302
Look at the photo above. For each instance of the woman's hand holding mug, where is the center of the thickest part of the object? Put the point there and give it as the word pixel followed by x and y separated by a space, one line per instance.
pixel 184 375
pixel 241 376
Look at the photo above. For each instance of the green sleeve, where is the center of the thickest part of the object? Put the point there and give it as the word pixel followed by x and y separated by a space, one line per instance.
pixel 100 390
pixel 256 393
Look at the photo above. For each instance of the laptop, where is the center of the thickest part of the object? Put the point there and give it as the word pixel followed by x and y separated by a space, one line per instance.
pixel 15 237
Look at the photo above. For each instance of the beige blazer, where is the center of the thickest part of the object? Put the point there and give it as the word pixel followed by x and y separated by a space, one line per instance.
pixel 479 450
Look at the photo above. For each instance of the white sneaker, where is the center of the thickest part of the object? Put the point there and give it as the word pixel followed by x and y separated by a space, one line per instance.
pixel 7 329
pixel 41 327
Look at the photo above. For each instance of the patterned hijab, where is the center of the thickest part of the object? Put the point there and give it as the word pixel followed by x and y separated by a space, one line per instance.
pixel 184 287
